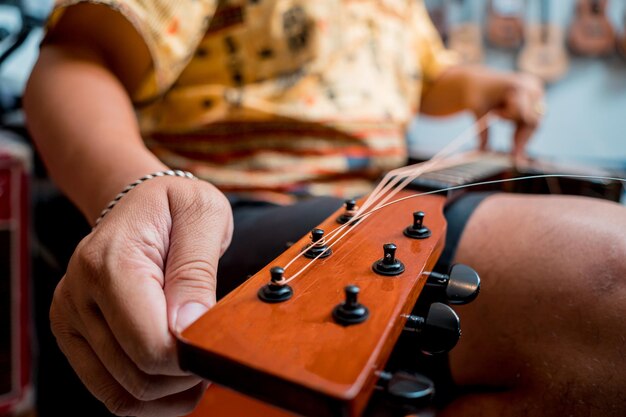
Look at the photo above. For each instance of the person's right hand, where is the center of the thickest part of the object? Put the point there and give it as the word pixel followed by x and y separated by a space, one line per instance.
pixel 141 276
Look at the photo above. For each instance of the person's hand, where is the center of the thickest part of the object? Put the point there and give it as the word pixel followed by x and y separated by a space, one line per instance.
pixel 144 273
pixel 512 96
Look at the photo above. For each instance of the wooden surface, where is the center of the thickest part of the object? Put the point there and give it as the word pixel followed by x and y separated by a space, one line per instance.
pixel 293 353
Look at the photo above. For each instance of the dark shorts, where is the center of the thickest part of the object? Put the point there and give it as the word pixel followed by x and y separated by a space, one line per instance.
pixel 262 232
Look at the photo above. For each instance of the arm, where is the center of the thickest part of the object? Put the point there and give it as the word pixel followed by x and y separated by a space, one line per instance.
pixel 148 270
pixel 512 96
pixel 79 112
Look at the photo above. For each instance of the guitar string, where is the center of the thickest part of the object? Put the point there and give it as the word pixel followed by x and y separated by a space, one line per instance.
pixel 452 188
pixel 391 188
pixel 416 170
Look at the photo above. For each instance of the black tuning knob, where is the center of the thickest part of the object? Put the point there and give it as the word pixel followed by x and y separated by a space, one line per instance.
pixel 461 286
pixel 437 333
pixel 388 264
pixel 348 213
pixel 317 247
pixel 407 391
pixel 275 291
pixel 417 230
pixel 350 311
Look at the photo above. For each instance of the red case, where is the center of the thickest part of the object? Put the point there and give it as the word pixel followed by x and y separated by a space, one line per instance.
pixel 15 312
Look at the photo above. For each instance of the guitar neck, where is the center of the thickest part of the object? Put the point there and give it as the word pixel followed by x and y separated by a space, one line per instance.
pixel 474 167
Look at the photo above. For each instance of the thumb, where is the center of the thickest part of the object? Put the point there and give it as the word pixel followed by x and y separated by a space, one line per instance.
pixel 197 240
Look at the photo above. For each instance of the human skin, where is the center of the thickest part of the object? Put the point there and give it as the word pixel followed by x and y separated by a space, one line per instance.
pixel 148 269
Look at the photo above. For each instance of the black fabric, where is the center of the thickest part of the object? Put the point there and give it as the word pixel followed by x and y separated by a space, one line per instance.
pixel 458 213
pixel 262 232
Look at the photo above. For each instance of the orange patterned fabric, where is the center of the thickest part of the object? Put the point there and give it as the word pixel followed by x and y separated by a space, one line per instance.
pixel 275 97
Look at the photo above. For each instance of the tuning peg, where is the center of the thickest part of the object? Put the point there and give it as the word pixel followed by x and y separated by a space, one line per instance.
pixel 417 230
pixel 461 286
pixel 406 391
pixel 318 246
pixel 276 291
pixel 350 311
pixel 388 264
pixel 350 209
pixel 439 332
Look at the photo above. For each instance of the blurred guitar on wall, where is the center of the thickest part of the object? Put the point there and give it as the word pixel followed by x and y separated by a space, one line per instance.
pixel 591 32
pixel 621 40
pixel 465 37
pixel 505 23
pixel 544 53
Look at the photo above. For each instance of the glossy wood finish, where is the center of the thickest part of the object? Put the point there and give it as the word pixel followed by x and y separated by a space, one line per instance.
pixel 293 354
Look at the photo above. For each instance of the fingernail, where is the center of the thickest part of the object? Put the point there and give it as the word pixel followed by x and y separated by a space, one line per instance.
pixel 189 313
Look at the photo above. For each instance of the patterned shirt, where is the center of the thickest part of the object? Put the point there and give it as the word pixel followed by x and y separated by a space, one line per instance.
pixel 282 97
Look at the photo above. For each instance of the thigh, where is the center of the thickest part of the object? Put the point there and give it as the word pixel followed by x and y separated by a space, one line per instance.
pixel 553 294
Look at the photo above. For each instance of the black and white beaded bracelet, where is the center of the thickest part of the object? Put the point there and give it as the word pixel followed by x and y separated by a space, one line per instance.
pixel 168 173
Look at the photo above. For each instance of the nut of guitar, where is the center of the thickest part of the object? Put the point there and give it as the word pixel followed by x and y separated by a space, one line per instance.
pixel 294 354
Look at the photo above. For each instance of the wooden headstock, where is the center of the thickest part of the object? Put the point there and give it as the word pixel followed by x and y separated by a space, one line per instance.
pixel 294 354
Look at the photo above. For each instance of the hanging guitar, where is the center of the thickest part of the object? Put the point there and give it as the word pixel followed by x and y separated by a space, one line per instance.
pixel 591 32
pixel 505 23
pixel 311 333
pixel 544 53
pixel 465 37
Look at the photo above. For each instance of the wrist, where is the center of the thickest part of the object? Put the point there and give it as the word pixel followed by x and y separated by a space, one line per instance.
pixel 138 182
pixel 110 177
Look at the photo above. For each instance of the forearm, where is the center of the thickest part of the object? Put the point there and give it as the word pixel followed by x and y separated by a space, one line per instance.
pixel 463 88
pixel 84 126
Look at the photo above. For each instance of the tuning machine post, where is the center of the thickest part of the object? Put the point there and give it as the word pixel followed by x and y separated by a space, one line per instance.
pixel 460 286
pixel 317 247
pixel 438 332
pixel 406 391
pixel 275 291
pixel 417 230
pixel 388 265
pixel 350 311
pixel 349 212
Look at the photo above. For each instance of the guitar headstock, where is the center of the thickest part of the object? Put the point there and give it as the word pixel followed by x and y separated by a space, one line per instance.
pixel 300 354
